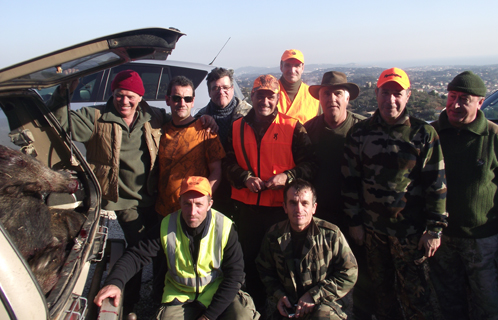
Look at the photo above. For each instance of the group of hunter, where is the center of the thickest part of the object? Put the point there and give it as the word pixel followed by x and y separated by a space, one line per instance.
pixel 295 207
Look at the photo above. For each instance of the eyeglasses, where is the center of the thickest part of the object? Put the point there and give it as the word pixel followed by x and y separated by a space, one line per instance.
pixel 224 88
pixel 187 99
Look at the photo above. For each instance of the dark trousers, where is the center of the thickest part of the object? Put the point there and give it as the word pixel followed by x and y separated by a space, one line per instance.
pixel 254 223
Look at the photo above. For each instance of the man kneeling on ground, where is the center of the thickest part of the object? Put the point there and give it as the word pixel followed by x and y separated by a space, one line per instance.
pixel 205 265
pixel 305 263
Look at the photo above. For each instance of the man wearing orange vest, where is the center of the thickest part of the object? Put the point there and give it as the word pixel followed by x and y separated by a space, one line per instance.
pixel 266 150
pixel 295 99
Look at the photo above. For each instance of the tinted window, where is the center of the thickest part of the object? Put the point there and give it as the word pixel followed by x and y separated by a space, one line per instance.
pixel 150 76
pixel 156 78
pixel 170 72
pixel 87 88
pixel 490 106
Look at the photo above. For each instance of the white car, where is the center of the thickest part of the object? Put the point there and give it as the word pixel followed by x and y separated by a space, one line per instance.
pixel 95 89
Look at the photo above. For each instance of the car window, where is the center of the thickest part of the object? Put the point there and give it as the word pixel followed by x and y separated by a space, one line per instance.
pixel 193 74
pixel 490 106
pixel 87 88
pixel 150 76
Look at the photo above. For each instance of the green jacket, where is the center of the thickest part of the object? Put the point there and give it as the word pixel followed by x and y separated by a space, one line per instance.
pixel 471 161
pixel 394 179
pixel 328 268
pixel 136 179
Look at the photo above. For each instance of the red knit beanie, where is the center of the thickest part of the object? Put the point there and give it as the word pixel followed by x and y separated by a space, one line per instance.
pixel 128 80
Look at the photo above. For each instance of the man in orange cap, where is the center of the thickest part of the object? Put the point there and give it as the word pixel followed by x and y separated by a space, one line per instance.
pixel 395 199
pixel 266 150
pixel 204 260
pixel 294 98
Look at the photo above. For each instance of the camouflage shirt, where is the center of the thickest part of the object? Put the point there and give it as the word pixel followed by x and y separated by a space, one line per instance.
pixel 394 179
pixel 327 269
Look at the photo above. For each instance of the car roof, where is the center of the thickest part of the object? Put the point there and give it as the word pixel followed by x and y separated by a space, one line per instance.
pixel 89 57
pixel 175 63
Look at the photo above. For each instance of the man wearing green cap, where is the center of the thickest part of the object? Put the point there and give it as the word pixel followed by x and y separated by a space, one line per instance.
pixel 469 246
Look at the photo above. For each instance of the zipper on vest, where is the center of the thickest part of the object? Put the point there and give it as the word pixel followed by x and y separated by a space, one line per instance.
pixel 197 280
pixel 259 163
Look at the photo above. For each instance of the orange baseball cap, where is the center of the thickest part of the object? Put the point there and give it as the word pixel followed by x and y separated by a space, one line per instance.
pixel 266 82
pixel 199 184
pixel 292 54
pixel 396 75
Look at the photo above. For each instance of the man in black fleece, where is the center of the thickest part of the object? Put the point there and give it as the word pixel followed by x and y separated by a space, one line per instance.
pixel 200 243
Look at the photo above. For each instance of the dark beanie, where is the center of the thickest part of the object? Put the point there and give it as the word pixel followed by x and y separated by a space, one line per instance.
pixel 128 80
pixel 468 82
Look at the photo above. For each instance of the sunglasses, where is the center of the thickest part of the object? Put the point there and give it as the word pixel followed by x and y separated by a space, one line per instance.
pixel 187 99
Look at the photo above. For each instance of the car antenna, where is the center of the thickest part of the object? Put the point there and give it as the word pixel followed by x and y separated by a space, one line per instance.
pixel 220 51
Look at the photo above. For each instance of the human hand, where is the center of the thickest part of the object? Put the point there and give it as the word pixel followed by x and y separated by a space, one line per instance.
pixel 358 234
pixel 109 291
pixel 429 243
pixel 276 182
pixel 255 184
pixel 282 304
pixel 305 305
pixel 209 124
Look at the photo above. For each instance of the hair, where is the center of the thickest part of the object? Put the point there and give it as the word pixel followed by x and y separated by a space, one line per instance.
pixel 218 73
pixel 180 81
pixel 298 185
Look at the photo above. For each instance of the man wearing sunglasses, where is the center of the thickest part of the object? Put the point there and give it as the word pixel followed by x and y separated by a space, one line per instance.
pixel 186 148
pixel 225 108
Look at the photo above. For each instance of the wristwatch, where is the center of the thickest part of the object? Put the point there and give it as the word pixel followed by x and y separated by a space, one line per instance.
pixel 435 234
pixel 289 178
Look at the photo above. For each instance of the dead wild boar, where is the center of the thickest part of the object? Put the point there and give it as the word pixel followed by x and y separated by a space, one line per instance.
pixel 44 236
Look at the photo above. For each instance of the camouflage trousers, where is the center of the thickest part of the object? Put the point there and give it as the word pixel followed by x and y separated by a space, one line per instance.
pixel 400 278
pixel 461 264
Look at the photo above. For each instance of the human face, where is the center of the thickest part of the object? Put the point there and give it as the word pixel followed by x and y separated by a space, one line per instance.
pixel 264 103
pixel 126 102
pixel 461 108
pixel 292 69
pixel 392 100
pixel 221 92
pixel 334 103
pixel 194 206
pixel 299 208
pixel 180 111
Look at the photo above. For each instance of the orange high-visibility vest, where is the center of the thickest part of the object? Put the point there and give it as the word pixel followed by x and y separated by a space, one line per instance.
pixel 271 157
pixel 303 108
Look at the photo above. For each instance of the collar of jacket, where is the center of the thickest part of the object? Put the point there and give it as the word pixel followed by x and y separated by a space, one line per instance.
pixel 250 118
pixel 110 114
pixel 192 232
pixel 312 229
pixel 376 120
pixel 479 126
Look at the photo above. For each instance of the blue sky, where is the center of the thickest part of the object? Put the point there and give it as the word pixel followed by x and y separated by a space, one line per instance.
pixel 382 33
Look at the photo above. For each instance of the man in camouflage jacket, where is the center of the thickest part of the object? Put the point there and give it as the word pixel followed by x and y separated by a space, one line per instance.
pixel 305 263
pixel 395 198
